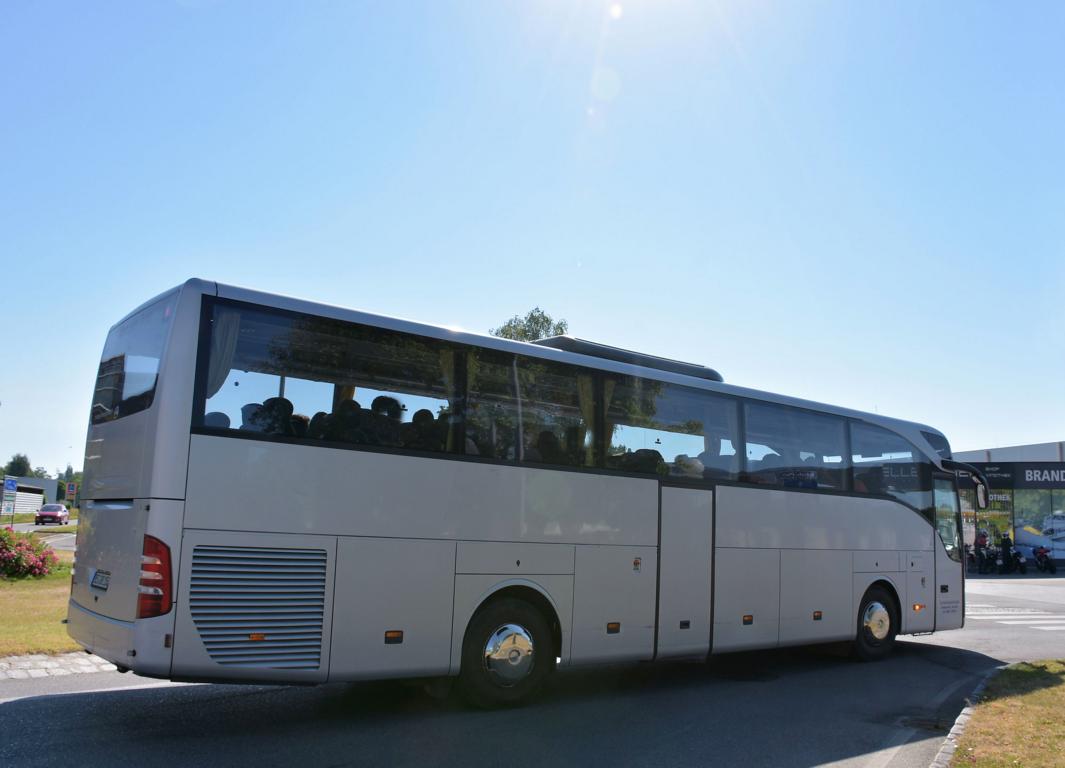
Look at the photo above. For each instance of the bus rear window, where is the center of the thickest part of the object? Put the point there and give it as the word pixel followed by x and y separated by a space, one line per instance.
pixel 129 367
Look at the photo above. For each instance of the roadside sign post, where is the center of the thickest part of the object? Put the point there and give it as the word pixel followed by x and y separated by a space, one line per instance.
pixel 10 490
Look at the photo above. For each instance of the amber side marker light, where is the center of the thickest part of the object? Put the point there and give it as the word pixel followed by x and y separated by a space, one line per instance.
pixel 748 620
pixel 613 627
pixel 918 607
pixel 817 615
pixel 258 637
pixel 394 637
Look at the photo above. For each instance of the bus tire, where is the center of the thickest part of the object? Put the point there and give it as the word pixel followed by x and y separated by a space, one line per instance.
pixel 878 624
pixel 507 654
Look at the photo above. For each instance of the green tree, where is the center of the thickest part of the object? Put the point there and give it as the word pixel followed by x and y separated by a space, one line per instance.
pixel 536 325
pixel 19 466
pixel 39 472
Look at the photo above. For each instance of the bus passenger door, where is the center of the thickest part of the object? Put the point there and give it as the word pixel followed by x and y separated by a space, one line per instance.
pixel 949 556
pixel 685 559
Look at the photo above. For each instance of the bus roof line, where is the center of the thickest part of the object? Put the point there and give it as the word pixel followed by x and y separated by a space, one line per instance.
pixel 202 286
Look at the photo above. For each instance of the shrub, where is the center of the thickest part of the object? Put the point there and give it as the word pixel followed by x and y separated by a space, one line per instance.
pixel 22 554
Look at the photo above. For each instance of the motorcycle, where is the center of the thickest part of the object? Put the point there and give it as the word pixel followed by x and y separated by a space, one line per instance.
pixel 1043 559
pixel 983 558
pixel 986 559
pixel 1009 558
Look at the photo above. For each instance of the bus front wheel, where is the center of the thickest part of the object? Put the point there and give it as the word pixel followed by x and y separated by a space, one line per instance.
pixel 507 654
pixel 878 624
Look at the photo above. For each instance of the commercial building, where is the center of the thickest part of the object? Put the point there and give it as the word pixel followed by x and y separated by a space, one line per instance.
pixel 1027 495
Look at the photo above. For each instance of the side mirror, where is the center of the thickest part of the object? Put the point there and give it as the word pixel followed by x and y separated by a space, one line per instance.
pixel 983 496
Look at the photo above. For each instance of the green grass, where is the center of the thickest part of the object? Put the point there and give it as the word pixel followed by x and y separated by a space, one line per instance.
pixel 29 517
pixel 32 611
pixel 1018 720
pixel 56 529
pixel 21 517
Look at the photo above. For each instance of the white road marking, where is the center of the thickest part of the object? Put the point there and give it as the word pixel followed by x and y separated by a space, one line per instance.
pixel 1002 616
pixel 1029 618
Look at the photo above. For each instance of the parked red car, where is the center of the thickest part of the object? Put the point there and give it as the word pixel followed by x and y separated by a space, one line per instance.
pixel 52 513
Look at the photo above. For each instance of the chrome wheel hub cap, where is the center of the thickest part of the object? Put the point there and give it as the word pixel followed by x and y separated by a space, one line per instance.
pixel 508 654
pixel 877 620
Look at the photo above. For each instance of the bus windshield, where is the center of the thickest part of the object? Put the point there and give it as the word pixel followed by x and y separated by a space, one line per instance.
pixel 129 367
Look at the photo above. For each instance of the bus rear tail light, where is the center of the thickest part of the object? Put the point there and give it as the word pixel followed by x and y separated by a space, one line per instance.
pixel 154 591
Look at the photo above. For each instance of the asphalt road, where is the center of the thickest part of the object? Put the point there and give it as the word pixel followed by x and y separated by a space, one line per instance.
pixel 800 707
pixel 24 527
pixel 64 541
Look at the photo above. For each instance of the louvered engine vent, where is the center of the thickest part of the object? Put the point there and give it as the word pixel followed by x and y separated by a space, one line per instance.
pixel 259 608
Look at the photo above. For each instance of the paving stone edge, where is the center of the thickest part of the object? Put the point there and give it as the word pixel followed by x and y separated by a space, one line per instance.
pixel 37 665
pixel 950 744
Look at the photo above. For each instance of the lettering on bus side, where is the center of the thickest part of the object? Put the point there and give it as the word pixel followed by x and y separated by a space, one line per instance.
pixel 901 471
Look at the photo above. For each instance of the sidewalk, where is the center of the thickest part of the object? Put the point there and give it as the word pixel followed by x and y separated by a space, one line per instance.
pixel 42 665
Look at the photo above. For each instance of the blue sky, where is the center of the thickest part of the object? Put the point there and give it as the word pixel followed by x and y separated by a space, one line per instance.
pixel 851 202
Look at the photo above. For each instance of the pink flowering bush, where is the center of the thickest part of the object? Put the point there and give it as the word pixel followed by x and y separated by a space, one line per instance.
pixel 21 554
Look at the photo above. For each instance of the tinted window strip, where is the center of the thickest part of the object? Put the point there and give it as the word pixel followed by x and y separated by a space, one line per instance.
pixel 601 441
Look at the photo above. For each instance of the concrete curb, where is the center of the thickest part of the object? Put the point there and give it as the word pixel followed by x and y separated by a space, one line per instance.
pixel 950 745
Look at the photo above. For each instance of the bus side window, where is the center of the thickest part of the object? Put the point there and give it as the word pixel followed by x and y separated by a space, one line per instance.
pixel 653 427
pixel 524 409
pixel 795 448
pixel 314 378
pixel 887 464
pixel 559 415
pixel 394 390
pixel 491 405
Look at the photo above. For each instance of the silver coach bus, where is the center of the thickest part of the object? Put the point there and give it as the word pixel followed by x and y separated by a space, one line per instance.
pixel 281 491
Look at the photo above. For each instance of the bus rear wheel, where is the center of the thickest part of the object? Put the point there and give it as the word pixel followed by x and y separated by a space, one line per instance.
pixel 507 654
pixel 878 624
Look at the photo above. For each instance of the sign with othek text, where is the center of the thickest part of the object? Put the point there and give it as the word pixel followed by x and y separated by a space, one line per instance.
pixel 1016 474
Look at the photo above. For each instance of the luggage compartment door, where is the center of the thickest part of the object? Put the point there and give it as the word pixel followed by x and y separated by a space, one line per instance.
pixel 686 568
pixel 403 586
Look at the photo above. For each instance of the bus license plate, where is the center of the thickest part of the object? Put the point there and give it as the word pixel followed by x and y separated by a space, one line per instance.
pixel 101 580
